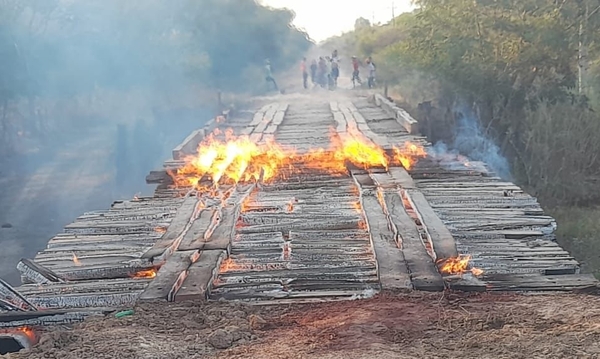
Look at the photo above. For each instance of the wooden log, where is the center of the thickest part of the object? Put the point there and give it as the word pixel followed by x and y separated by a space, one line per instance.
pixel 37 273
pixel 49 317
pixel 441 238
pixel 189 146
pixel 169 274
pixel 424 273
pixel 201 276
pixel 391 266
pixel 176 230
pixel 16 298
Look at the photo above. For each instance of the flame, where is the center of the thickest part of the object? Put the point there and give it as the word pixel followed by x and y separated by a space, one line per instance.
pixel 147 273
pixel 239 159
pixel 357 206
pixel 290 205
pixel 409 154
pixel 160 229
pixel 76 260
pixel 26 331
pixel 458 265
pixel 29 332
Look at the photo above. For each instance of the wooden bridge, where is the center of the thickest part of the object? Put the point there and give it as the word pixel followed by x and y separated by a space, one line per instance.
pixel 310 237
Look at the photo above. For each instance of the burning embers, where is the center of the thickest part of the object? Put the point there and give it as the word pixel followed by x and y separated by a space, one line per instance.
pixel 458 266
pixel 146 273
pixel 240 160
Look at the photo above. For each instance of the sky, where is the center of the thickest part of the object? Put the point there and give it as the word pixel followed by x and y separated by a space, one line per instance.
pixel 322 19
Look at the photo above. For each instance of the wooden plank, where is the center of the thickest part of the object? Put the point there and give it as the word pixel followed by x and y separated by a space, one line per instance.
pixel 391 266
pixel 201 275
pixel 49 317
pixel 441 238
pixel 37 273
pixel 189 146
pixel 168 275
pixel 194 238
pixel 176 228
pixel 423 271
pixel 224 232
pixel 402 178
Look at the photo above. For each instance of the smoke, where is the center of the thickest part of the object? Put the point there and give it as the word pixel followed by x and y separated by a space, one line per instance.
pixel 470 144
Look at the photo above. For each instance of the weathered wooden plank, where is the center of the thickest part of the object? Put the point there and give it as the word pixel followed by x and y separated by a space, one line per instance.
pixel 189 146
pixel 176 228
pixel 423 271
pixel 441 238
pixel 391 266
pixel 194 238
pixel 117 270
pixel 201 275
pixel 16 298
pixel 49 317
pixel 37 273
pixel 167 276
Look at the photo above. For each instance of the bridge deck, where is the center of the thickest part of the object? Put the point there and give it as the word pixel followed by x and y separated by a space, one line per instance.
pixel 308 236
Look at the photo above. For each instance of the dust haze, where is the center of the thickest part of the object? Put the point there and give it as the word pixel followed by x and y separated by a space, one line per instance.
pixel 94 94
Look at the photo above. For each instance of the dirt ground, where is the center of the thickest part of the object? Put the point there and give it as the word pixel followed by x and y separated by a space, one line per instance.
pixel 440 325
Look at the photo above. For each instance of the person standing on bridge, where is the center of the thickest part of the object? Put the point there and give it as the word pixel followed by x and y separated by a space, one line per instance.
pixel 304 73
pixel 269 75
pixel 371 69
pixel 335 68
pixel 313 71
pixel 355 72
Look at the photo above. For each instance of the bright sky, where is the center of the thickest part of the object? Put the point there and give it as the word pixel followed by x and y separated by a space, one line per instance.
pixel 326 18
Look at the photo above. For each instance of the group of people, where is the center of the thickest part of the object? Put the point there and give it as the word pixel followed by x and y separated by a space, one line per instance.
pixel 326 71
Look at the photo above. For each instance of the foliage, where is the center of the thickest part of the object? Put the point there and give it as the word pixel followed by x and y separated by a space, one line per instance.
pixel 53 49
pixel 517 62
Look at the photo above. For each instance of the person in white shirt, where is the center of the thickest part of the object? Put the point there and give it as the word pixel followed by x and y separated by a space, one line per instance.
pixel 371 68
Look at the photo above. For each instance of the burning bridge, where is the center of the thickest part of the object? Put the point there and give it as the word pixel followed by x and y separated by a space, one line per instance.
pixel 305 199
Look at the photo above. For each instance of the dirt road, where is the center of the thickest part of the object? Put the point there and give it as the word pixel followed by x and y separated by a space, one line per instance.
pixel 388 326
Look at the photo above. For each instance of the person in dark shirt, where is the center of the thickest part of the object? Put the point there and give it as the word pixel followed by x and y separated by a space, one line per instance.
pixel 313 71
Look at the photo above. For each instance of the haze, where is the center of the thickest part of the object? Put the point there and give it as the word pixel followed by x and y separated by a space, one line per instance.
pixel 323 19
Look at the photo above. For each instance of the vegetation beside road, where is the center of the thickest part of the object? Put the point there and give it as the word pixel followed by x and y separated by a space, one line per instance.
pixel 529 71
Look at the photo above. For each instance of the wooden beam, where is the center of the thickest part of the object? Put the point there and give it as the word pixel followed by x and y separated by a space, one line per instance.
pixel 189 146
pixel 179 225
pixel 391 266
pixel 441 238
pixel 201 275
pixel 423 271
pixel 168 275
pixel 16 298
pixel 37 273
pixel 49 317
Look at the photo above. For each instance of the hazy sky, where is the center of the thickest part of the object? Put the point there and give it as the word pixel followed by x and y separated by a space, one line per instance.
pixel 325 18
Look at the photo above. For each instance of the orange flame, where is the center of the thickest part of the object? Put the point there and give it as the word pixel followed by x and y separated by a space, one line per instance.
pixel 76 260
pixel 160 229
pixel 458 265
pixel 148 273
pixel 239 159
pixel 25 331
pixel 409 154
